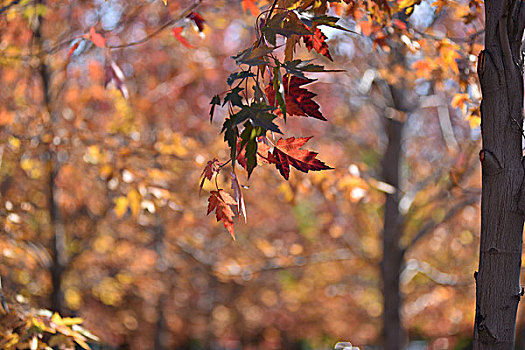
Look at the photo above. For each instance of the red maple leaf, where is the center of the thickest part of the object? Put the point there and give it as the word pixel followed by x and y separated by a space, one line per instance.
pixel 177 33
pixel 198 20
pixel 97 38
pixel 298 100
pixel 211 168
pixel 220 201
pixel 287 153
pixel 317 41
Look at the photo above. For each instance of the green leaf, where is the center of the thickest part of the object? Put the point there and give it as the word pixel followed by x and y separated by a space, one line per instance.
pixel 279 88
pixel 233 97
pixel 297 67
pixel 230 136
pixel 215 101
pixel 259 95
pixel 253 56
pixel 286 24
pixel 249 139
pixel 323 20
pixel 265 121
pixel 239 75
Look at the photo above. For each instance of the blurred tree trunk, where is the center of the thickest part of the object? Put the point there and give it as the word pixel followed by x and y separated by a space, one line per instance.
pixel 393 334
pixel 58 244
pixel 500 74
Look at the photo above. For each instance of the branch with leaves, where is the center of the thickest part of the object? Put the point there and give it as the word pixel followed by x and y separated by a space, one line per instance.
pixel 266 90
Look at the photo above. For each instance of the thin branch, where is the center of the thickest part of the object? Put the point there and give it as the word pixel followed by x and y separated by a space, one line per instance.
pixel 8 6
pixel 433 224
pixel 159 29
pixel 467 39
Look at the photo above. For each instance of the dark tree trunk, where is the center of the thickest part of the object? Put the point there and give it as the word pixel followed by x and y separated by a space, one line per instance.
pixel 393 335
pixel 497 282
pixel 58 244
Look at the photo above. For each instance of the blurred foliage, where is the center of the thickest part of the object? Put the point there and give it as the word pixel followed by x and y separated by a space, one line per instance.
pixel 103 142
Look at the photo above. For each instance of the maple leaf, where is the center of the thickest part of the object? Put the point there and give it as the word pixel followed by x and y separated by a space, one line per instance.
pixel 198 20
pixel 298 100
pixel 287 152
pixel 220 201
pixel 96 38
pixel 177 33
pixel 212 167
pixel 317 41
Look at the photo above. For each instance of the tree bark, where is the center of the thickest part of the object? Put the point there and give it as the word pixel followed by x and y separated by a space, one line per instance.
pixel 393 334
pixel 499 71
pixel 58 244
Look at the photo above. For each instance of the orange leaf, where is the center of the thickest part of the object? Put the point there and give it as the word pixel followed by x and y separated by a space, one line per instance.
pixel 458 101
pixel 220 201
pixel 97 38
pixel 213 167
pixel 177 34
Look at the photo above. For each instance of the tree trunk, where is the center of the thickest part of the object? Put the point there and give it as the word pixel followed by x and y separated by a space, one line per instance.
pixel 58 244
pixel 393 335
pixel 497 282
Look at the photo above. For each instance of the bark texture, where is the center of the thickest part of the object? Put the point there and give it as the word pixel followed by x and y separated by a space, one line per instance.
pixel 500 74
pixel 393 334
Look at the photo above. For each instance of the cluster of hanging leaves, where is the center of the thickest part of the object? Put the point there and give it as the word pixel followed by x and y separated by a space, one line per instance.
pixel 269 87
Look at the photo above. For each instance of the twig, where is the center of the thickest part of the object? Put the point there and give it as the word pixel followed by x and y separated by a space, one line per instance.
pixel 158 30
pixel 8 6
pixel 433 224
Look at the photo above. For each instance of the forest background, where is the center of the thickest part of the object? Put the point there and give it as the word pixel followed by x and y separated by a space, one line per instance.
pixel 105 128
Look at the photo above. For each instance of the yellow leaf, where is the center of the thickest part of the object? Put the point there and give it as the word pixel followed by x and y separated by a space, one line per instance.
pixel 458 101
pixel 165 2
pixel 134 202
pixel 121 206
pixel 56 319
pixel 69 321
pixel 474 121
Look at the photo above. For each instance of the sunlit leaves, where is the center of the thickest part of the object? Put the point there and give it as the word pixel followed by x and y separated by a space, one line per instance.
pixel 220 202
pixel 41 329
pixel 299 101
pixel 212 168
pixel 317 42
pixel 287 153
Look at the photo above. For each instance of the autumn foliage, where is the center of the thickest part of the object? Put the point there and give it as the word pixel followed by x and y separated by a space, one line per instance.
pixel 123 123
